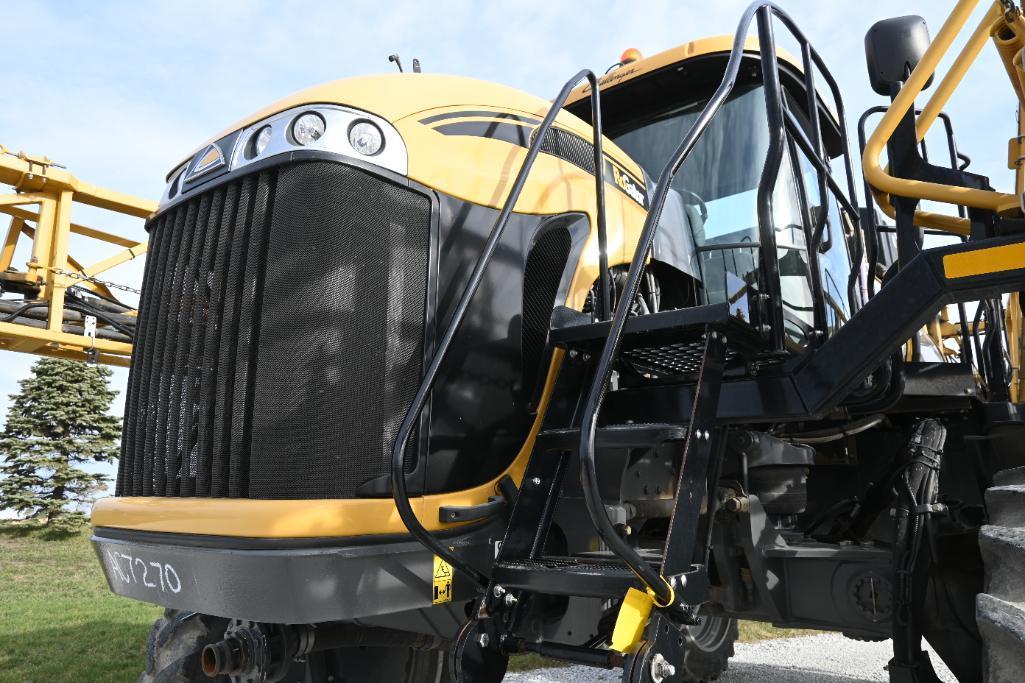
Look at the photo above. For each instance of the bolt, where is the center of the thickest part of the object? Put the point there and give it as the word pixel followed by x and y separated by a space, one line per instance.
pixel 510 600
pixel 573 353
pixel 483 640
pixel 678 582
pixel 661 669
pixel 498 591
pixel 536 481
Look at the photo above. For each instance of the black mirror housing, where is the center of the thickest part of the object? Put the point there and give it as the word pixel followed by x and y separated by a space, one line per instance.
pixel 893 48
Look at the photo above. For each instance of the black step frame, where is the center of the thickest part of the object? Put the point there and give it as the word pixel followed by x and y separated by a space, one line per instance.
pixel 781 122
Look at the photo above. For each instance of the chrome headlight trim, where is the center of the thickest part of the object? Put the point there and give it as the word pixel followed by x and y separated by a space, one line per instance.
pixel 338 120
pixel 335 139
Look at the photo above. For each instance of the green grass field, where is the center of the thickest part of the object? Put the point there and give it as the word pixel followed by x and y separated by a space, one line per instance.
pixel 59 622
pixel 58 619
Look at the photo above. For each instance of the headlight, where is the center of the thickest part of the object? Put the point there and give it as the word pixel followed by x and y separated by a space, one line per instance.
pixel 366 138
pixel 308 128
pixel 261 141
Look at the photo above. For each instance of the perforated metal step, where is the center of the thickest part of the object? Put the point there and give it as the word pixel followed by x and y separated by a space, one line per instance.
pixel 664 328
pixel 567 576
pixel 634 435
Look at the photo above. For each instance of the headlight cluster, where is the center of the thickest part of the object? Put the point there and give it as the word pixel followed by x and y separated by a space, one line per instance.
pixel 326 128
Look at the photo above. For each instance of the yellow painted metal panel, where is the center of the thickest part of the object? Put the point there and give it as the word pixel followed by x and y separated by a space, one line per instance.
pixel 983 261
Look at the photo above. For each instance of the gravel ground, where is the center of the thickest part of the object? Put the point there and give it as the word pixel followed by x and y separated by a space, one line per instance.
pixel 829 658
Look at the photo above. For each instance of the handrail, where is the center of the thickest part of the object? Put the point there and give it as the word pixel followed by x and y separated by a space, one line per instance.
pixel 764 9
pixel 922 218
pixel 399 492
pixel 849 203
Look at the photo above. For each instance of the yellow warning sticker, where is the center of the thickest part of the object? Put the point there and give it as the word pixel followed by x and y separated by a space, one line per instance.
pixel 442 581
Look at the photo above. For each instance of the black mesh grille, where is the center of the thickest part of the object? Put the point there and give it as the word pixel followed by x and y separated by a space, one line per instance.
pixel 280 336
pixel 541 277
pixel 570 147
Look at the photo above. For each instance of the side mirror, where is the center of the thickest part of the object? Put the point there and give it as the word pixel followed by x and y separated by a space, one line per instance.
pixel 893 48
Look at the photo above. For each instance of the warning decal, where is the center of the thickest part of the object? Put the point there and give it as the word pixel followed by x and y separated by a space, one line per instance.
pixel 442 581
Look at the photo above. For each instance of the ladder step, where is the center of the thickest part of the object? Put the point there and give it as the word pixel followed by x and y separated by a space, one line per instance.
pixel 573 330
pixel 639 435
pixel 584 577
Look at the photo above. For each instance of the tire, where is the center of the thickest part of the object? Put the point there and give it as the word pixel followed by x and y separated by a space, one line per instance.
pixel 709 647
pixel 1000 610
pixel 175 644
pixel 177 640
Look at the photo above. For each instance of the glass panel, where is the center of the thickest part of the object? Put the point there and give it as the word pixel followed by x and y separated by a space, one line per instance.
pixel 834 259
pixel 719 180
pixel 713 198
pixel 792 253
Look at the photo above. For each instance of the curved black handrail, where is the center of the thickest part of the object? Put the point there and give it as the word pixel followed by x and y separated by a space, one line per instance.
pixel 399 491
pixel 764 9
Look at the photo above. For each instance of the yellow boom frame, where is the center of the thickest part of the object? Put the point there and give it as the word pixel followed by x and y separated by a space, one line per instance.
pixel 1006 28
pixel 40 210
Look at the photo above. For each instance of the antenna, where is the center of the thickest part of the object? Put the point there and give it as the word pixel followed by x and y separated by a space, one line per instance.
pixel 398 62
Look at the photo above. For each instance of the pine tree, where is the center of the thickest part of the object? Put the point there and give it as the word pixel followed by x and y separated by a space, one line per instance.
pixel 56 423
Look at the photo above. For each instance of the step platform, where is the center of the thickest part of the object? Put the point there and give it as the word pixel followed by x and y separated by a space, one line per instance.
pixel 632 435
pixel 663 344
pixel 589 577
pixel 579 576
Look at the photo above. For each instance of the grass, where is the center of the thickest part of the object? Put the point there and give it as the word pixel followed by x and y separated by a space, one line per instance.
pixel 60 622
pixel 58 619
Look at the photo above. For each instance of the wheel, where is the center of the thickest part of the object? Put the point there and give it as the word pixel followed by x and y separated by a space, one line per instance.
pixel 708 648
pixel 1000 610
pixel 175 644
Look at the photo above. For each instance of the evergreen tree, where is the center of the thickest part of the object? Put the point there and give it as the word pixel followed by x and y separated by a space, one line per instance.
pixel 55 424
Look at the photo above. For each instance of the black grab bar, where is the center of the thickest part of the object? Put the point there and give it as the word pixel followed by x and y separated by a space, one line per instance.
pixel 399 491
pixel 764 10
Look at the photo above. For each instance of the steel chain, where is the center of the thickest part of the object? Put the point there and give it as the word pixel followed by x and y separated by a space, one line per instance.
pixel 96 281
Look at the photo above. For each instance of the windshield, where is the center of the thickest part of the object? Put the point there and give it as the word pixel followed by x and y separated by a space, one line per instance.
pixel 713 204
pixel 719 181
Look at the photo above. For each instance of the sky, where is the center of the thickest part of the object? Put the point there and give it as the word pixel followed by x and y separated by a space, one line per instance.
pixel 119 92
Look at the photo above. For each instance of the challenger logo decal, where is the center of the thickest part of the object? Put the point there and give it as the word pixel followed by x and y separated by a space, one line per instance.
pixel 629 186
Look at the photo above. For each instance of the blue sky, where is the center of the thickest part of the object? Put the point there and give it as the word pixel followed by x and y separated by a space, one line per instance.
pixel 120 91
